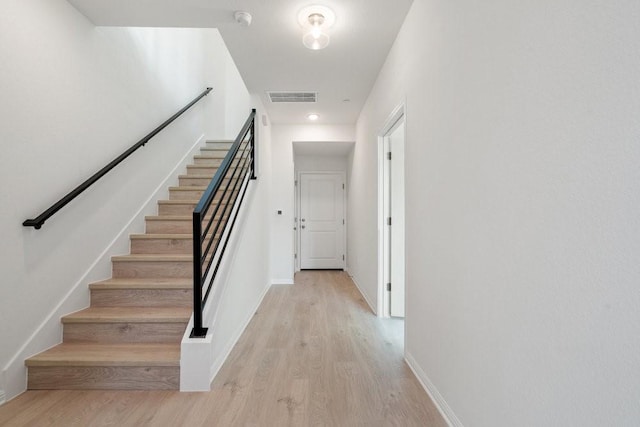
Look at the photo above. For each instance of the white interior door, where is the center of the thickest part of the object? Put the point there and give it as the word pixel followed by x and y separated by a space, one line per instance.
pixel 322 221
pixel 397 227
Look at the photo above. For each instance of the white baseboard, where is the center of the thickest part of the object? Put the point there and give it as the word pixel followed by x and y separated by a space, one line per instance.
pixel 49 332
pixel 282 281
pixel 373 310
pixel 444 408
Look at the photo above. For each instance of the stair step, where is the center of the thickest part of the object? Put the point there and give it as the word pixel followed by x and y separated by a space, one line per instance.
pixel 146 292
pixel 179 207
pixel 193 193
pixel 161 243
pixel 216 152
pixel 132 283
pixel 164 243
pixel 177 224
pixel 201 170
pixel 126 325
pixel 129 315
pixel 225 144
pixel 186 193
pixel 210 159
pixel 106 366
pixel 147 266
pixel 201 159
pixel 198 180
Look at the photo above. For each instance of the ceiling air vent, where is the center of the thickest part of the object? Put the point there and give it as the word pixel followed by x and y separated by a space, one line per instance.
pixel 292 96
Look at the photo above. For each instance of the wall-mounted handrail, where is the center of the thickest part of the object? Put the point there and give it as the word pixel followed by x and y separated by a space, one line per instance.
pixel 38 221
pixel 215 234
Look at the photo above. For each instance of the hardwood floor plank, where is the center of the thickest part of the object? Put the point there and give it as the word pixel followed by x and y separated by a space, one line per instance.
pixel 313 355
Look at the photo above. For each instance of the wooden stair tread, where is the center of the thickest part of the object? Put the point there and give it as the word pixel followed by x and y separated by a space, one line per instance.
pixel 143 283
pixel 160 236
pixel 212 156
pixel 82 354
pixel 197 176
pixel 189 188
pixel 178 202
pixel 129 315
pixel 173 217
pixel 152 257
pixel 154 236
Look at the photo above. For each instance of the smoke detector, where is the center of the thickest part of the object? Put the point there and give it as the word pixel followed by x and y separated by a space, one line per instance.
pixel 243 18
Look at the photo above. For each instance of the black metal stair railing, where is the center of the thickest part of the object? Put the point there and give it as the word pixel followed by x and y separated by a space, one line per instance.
pixel 38 221
pixel 216 214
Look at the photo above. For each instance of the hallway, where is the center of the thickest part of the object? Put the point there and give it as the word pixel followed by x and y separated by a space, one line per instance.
pixel 313 354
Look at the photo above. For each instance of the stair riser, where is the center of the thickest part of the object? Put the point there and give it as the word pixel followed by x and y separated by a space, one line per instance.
pixel 118 333
pixel 182 209
pixel 202 170
pixel 141 297
pixel 187 181
pixel 103 378
pixel 219 145
pixel 162 246
pixel 160 269
pixel 214 152
pixel 173 226
pixel 210 159
pixel 185 194
pixel 207 161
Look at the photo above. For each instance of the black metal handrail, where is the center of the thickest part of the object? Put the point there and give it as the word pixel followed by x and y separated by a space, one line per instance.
pixel 237 168
pixel 38 221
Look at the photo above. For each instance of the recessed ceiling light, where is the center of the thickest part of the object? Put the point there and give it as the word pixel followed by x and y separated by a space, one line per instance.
pixel 313 116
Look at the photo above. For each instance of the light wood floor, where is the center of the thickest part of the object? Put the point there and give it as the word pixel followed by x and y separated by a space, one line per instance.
pixel 313 355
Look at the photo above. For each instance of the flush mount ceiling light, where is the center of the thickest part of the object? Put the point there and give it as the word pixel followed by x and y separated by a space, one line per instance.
pixel 313 116
pixel 315 22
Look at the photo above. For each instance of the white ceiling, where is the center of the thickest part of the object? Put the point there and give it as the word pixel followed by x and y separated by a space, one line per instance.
pixel 269 54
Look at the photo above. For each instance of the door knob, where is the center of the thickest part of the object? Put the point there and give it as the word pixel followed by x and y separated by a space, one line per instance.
pixel 302 226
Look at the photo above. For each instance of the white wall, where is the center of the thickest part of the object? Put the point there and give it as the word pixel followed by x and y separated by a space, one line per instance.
pixel 282 189
pixel 522 196
pixel 226 116
pixel 73 97
pixel 320 163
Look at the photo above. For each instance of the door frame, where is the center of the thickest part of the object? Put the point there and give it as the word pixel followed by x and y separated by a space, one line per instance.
pixel 384 300
pixel 298 200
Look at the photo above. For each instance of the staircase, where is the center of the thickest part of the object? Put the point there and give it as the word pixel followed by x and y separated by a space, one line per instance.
pixel 129 338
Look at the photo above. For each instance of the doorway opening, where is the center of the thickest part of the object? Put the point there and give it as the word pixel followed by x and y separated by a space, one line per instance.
pixel 391 293
pixel 320 223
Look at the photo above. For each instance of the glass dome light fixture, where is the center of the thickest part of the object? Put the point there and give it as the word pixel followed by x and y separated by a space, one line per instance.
pixel 315 21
